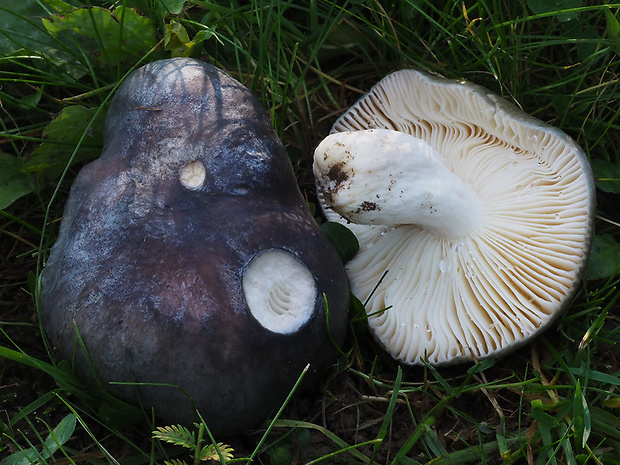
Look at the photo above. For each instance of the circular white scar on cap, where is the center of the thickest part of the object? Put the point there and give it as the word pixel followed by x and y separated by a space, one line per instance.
pixel 279 290
pixel 193 175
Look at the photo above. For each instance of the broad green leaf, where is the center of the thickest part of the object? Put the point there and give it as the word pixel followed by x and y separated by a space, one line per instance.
pixel 30 102
pixel 561 7
pixel 158 8
pixel 613 28
pixel 15 180
pixel 202 35
pixel 170 7
pixel 607 175
pixel 342 238
pixel 604 257
pixel 587 40
pixel 59 435
pixel 357 315
pixel 538 412
pixel 176 40
pixel 20 26
pixel 23 457
pixel 482 365
pixel 139 34
pixel 61 7
pixel 23 37
pixel 62 135
pixel 109 38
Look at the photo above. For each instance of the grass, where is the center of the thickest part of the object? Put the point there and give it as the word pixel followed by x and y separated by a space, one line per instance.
pixel 556 401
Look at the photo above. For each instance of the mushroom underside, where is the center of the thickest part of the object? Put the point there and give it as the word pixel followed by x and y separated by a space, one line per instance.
pixel 473 292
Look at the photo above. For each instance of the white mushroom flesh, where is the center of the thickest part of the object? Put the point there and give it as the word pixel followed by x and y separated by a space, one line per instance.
pixel 279 290
pixel 452 298
pixel 193 175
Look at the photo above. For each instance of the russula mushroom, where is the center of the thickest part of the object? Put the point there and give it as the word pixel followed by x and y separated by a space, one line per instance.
pixel 187 259
pixel 474 219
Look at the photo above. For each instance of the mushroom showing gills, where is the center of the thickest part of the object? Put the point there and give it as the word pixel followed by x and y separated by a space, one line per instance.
pixel 187 257
pixel 474 219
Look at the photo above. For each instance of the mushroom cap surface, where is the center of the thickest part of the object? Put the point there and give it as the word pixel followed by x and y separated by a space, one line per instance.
pixel 452 298
pixel 174 243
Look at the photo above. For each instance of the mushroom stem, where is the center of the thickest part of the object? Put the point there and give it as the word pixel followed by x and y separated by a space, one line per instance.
pixel 385 177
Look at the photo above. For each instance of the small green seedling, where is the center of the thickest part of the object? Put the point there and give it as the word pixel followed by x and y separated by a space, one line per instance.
pixel 54 442
pixel 181 436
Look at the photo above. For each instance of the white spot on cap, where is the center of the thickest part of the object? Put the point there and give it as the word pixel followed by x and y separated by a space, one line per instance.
pixel 279 290
pixel 193 175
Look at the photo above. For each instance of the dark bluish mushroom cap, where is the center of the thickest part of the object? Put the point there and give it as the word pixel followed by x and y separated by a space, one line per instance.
pixel 187 255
